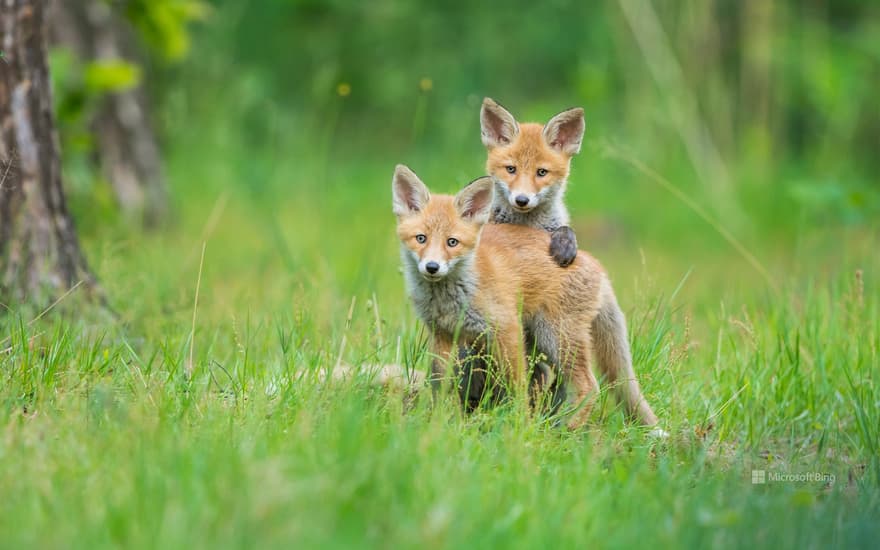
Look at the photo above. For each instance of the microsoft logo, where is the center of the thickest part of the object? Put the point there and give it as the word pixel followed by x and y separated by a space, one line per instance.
pixel 761 477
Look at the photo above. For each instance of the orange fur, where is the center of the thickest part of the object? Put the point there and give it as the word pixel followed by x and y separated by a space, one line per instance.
pixel 497 289
pixel 527 153
pixel 439 218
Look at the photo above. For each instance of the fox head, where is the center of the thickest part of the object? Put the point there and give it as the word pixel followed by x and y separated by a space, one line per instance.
pixel 438 232
pixel 529 162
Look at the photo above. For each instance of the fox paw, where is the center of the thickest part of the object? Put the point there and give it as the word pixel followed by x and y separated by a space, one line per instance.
pixel 563 246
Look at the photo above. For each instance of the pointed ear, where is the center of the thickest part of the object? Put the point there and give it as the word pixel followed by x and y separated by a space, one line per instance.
pixel 474 202
pixel 565 131
pixel 410 194
pixel 497 126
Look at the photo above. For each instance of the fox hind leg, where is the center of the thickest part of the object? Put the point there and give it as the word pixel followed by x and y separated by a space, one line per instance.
pixel 547 385
pixel 615 359
pixel 583 386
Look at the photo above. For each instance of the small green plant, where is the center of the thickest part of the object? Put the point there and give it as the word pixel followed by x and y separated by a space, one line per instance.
pixel 164 24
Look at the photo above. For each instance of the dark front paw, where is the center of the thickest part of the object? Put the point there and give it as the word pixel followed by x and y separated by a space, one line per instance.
pixel 563 246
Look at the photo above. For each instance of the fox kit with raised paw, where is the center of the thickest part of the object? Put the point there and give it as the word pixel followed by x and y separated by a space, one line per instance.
pixel 530 164
pixel 471 288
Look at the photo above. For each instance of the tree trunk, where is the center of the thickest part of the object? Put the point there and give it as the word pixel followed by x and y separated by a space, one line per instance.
pixel 127 150
pixel 39 249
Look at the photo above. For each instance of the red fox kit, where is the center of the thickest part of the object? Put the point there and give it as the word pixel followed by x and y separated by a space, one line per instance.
pixel 468 284
pixel 530 165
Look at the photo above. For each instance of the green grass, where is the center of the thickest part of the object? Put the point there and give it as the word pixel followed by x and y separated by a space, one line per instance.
pixel 755 326
pixel 104 441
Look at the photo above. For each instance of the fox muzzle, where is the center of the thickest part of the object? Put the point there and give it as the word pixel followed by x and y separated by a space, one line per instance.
pixel 433 270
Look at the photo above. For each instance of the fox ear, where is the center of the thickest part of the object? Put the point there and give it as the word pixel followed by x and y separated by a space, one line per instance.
pixel 474 202
pixel 410 194
pixel 565 131
pixel 497 126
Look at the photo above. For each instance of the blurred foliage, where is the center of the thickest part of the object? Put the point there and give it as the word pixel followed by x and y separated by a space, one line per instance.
pixel 785 90
pixel 79 87
pixel 164 24
pixel 111 76
pixel 163 29
pixel 74 103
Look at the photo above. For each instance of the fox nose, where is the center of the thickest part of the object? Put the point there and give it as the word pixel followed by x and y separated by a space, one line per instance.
pixel 432 267
pixel 521 201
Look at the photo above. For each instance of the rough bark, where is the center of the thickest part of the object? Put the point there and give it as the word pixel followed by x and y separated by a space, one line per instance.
pixel 39 248
pixel 127 150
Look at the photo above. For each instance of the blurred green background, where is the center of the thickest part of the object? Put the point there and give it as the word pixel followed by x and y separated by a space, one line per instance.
pixel 294 113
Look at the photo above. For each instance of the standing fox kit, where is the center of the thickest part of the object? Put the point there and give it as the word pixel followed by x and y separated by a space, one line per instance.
pixel 469 285
pixel 530 164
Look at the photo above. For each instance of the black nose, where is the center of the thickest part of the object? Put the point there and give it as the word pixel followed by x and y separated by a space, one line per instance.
pixel 432 267
pixel 521 200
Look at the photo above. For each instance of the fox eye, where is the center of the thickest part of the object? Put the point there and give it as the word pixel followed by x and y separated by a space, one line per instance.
pixel 542 172
pixel 452 242
pixel 421 239
pixel 511 169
